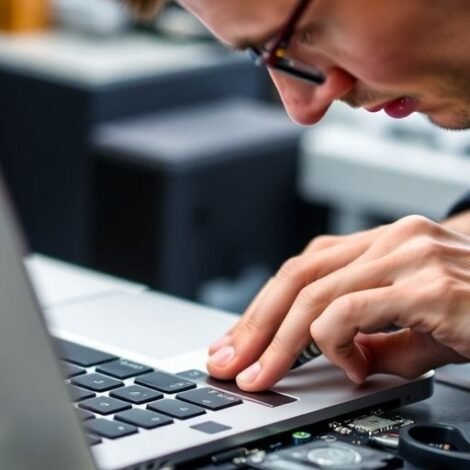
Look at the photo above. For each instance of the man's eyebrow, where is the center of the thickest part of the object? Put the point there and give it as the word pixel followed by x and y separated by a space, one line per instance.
pixel 313 28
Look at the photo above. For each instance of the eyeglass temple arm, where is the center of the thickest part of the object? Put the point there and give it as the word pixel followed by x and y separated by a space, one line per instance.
pixel 286 32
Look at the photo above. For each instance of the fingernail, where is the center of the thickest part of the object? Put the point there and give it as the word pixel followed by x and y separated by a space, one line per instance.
pixel 249 375
pixel 223 356
pixel 224 341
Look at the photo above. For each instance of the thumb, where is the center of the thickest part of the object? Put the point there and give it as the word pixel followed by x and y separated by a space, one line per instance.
pixel 405 353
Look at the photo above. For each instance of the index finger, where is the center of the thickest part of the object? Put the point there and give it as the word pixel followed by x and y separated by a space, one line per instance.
pixel 293 335
pixel 252 334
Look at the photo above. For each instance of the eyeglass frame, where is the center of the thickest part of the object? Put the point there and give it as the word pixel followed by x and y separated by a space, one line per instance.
pixel 275 57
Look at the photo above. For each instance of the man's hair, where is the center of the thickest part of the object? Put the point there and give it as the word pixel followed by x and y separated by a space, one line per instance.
pixel 146 8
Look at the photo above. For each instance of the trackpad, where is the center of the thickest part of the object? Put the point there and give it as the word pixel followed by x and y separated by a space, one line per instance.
pixel 267 398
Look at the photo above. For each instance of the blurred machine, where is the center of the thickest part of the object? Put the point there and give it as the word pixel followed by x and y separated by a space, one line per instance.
pixel 197 193
pixel 371 169
pixel 56 88
pixel 94 17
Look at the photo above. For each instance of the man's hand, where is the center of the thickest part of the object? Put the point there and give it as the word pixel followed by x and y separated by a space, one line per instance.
pixel 342 291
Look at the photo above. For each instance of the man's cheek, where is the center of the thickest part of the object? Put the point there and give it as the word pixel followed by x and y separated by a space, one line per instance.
pixel 381 67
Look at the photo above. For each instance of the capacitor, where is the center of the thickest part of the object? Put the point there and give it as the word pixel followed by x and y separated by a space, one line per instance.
pixel 301 437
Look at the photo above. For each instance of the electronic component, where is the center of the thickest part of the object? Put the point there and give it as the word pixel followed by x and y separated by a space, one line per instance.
pixel 388 440
pixel 365 440
pixel 301 437
pixel 376 428
pixel 229 455
pixel 320 454
pixel 372 424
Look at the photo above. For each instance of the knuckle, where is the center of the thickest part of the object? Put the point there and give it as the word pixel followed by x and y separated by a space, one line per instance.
pixel 306 297
pixel 327 342
pixel 321 242
pixel 291 269
pixel 251 326
pixel 310 297
pixel 413 224
pixel 346 305
pixel 278 348
pixel 342 311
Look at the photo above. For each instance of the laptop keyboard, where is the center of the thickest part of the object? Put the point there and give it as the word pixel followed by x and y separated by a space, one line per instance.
pixel 115 397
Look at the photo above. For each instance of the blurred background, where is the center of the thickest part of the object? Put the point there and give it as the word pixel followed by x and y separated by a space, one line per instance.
pixel 148 151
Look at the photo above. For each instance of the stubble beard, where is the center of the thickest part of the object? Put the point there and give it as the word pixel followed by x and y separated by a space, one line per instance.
pixel 455 89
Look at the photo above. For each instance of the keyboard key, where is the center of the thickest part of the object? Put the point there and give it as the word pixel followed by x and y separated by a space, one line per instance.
pixel 93 440
pixel 71 370
pixel 104 405
pixel 143 418
pixel 123 369
pixel 209 398
pixel 211 427
pixel 192 374
pixel 83 414
pixel 82 355
pixel 176 409
pixel 96 382
pixel 78 393
pixel 136 394
pixel 164 382
pixel 109 429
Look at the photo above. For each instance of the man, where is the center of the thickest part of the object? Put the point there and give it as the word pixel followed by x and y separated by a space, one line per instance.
pixel 400 57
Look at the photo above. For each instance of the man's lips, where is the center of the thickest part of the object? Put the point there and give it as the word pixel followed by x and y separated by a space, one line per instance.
pixel 398 109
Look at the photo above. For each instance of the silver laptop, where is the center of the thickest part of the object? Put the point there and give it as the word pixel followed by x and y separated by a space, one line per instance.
pixel 118 382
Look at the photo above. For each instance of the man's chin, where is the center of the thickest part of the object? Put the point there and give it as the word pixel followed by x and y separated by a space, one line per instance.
pixel 452 122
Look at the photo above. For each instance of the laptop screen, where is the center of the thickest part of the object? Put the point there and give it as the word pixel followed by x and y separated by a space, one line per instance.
pixel 38 428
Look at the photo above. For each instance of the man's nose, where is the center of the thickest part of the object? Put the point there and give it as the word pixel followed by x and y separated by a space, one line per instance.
pixel 307 103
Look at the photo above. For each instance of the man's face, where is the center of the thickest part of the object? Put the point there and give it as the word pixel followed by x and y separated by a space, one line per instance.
pixel 401 56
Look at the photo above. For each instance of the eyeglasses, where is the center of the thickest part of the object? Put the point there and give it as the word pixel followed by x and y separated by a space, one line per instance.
pixel 275 56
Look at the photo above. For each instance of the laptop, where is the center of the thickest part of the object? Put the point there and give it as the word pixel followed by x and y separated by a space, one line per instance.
pixel 118 381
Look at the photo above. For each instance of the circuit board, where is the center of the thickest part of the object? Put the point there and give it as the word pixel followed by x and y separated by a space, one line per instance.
pixel 366 440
